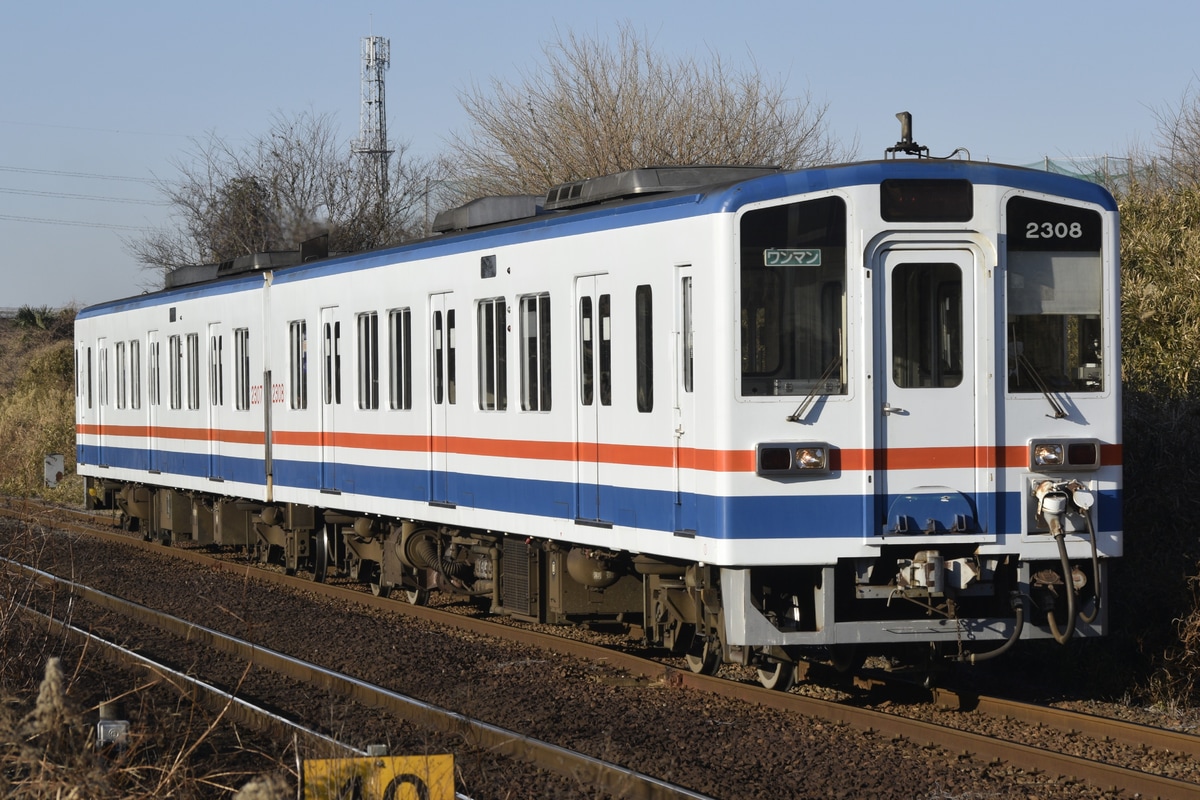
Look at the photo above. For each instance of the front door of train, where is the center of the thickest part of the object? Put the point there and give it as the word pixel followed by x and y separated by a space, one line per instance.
pixel 687 520
pixel 594 396
pixel 927 461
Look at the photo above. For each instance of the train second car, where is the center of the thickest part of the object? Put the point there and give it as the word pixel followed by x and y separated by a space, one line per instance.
pixel 764 414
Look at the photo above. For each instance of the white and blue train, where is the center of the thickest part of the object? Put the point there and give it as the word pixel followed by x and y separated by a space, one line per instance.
pixel 760 414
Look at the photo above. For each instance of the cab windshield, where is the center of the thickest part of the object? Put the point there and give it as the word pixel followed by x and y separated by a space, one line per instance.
pixel 1054 287
pixel 793 309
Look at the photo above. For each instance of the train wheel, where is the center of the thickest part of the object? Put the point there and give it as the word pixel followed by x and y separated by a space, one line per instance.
pixel 322 543
pixel 371 573
pixel 704 657
pixel 777 675
pixel 270 554
pixel 847 657
pixel 417 597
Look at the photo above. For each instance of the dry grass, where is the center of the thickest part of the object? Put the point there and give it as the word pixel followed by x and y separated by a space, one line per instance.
pixel 37 406
pixel 1175 684
pixel 50 693
pixel 1155 604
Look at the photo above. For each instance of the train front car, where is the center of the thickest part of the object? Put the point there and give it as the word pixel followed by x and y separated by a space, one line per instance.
pixel 927 376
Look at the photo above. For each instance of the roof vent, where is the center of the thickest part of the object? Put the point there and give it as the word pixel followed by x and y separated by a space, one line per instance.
pixel 648 180
pixel 256 262
pixel 487 211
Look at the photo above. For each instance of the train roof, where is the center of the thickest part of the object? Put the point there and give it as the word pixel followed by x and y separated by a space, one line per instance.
pixel 634 197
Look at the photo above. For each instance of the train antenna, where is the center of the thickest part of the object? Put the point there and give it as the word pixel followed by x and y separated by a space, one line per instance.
pixel 908 146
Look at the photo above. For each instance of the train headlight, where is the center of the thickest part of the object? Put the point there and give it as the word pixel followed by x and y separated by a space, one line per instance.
pixel 1066 454
pixel 787 458
pixel 810 458
pixel 1047 455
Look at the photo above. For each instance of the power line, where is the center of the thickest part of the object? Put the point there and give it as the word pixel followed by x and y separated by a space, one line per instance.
pixel 75 223
pixel 67 196
pixel 96 130
pixel 66 174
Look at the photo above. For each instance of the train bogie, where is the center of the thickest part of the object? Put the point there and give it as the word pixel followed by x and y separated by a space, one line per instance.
pixel 865 405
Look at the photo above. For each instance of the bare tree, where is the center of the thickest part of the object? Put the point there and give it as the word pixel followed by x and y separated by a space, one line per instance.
pixel 595 108
pixel 295 182
pixel 1178 132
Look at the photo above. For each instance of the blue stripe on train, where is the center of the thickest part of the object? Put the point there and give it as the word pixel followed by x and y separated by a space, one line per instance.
pixel 603 218
pixel 717 517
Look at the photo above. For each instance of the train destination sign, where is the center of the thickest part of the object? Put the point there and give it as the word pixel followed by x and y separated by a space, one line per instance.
pixel 791 257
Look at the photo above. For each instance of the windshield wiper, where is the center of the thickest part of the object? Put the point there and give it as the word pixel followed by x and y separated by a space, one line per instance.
pixel 798 414
pixel 1038 381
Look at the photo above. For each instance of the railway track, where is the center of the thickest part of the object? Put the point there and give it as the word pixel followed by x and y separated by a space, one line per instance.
pixel 607 777
pixel 990 749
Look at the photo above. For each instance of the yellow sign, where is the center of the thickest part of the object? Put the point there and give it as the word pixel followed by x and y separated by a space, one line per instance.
pixel 382 778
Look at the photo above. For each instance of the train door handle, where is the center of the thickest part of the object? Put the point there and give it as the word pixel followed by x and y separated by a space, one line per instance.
pixel 888 408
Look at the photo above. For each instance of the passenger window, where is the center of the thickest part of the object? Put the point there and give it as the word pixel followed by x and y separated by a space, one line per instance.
pixel 688 335
pixel 122 374
pixel 644 338
pixel 135 373
pixel 333 362
pixel 241 368
pixel 451 385
pixel 586 350
pixel 368 360
pixel 193 370
pixel 155 358
pixel 493 355
pixel 535 353
pixel 175 368
pixel 216 370
pixel 298 349
pixel 443 358
pixel 103 378
pixel 400 342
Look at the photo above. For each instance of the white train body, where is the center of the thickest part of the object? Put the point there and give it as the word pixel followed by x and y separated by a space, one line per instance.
pixel 808 408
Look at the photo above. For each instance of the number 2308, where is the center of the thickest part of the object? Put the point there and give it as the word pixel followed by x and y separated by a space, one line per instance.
pixel 1053 230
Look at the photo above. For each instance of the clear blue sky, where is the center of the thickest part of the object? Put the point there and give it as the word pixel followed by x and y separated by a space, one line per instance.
pixel 99 97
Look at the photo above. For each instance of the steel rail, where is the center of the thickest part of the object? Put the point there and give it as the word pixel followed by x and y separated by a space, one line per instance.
pixel 1129 733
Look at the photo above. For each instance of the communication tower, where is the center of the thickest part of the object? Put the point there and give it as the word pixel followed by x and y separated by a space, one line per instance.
pixel 372 142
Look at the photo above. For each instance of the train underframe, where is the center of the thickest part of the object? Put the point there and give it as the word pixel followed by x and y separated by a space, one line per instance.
pixel 925 599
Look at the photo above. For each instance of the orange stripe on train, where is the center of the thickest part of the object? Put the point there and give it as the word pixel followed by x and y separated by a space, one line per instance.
pixel 849 460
